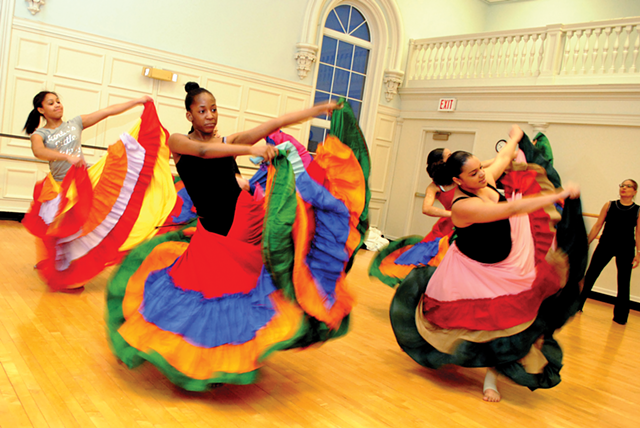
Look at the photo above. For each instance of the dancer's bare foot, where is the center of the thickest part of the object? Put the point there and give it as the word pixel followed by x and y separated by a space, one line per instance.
pixel 489 389
pixel 491 395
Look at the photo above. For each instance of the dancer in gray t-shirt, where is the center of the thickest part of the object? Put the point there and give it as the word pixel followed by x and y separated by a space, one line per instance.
pixel 58 141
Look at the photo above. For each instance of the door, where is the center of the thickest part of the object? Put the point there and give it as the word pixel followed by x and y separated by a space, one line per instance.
pixel 421 224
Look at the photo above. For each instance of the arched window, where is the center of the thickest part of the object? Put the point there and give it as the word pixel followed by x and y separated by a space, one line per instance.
pixel 343 63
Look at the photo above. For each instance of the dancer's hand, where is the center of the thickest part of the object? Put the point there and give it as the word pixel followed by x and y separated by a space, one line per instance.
pixel 266 152
pixel 516 133
pixel 75 160
pixel 327 107
pixel 571 190
pixel 636 261
pixel 243 183
pixel 145 99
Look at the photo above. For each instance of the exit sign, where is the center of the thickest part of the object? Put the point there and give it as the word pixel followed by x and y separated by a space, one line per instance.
pixel 447 104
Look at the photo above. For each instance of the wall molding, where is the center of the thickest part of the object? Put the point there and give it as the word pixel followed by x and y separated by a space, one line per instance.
pixel 607 105
pixel 164 57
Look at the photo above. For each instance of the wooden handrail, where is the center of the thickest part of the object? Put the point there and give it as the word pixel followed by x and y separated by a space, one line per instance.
pixel 23 137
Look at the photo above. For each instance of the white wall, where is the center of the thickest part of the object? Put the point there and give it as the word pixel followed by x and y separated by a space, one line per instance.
pixel 257 36
pixel 538 13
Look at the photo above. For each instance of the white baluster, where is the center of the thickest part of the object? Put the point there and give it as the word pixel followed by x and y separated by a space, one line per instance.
pixel 625 49
pixel 464 59
pixel 436 61
pixel 412 59
pixel 498 48
pixel 543 38
pixel 455 61
pixel 414 51
pixel 532 54
pixel 605 50
pixel 432 61
pixel 616 45
pixel 428 50
pixel 507 56
pixel 485 43
pixel 576 51
pixel 636 45
pixel 478 49
pixel 523 55
pixel 446 62
pixel 492 55
pixel 567 50
pixel 585 50
pixel 594 52
pixel 514 64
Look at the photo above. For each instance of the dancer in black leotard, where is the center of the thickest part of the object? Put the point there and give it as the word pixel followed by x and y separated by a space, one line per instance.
pixel 619 240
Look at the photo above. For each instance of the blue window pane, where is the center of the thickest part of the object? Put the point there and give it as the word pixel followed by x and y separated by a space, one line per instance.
pixel 328 54
pixel 340 82
pixel 356 87
pixel 320 98
pixel 362 33
pixel 325 76
pixel 360 60
pixel 345 54
pixel 343 15
pixel 356 107
pixel 316 136
pixel 356 19
pixel 333 22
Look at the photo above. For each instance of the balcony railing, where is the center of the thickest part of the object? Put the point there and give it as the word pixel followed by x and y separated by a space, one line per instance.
pixel 598 51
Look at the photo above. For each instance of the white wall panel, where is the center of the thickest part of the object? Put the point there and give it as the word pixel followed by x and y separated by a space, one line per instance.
pixel 228 94
pixel 110 129
pixel 127 74
pixel 18 109
pixel 19 182
pixel 80 65
pixel 263 102
pixel 173 116
pixel 33 56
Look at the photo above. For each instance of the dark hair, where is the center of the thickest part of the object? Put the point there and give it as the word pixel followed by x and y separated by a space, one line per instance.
pixel 33 121
pixel 635 185
pixel 436 168
pixel 193 90
pixel 455 163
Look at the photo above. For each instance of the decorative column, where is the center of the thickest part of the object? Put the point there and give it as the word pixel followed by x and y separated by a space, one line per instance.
pixel 305 56
pixel 34 6
pixel 539 126
pixel 392 80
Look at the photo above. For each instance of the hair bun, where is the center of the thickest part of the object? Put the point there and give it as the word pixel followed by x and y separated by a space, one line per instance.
pixel 191 86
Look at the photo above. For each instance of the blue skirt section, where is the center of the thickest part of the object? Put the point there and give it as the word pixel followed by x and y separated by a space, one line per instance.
pixel 230 319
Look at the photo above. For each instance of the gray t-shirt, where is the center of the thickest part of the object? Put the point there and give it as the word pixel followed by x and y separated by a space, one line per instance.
pixel 64 139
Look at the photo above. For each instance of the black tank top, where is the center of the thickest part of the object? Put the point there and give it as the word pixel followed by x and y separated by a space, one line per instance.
pixel 485 242
pixel 620 224
pixel 212 186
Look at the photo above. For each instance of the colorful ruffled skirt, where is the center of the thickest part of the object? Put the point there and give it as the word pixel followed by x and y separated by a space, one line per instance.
pixel 96 215
pixel 500 315
pixel 207 309
pixel 393 263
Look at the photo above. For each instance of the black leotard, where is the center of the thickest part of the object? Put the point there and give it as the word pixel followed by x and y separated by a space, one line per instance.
pixel 484 242
pixel 212 186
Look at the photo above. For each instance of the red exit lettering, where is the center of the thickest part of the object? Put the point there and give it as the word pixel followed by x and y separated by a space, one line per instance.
pixel 447 104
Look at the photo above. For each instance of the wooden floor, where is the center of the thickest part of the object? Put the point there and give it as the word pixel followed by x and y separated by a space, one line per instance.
pixel 57 371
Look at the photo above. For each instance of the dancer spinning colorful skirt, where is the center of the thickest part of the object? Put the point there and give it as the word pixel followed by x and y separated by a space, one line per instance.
pixel 508 281
pixel 393 263
pixel 92 217
pixel 210 307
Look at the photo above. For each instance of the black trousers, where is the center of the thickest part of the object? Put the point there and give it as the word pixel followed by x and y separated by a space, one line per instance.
pixel 601 257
